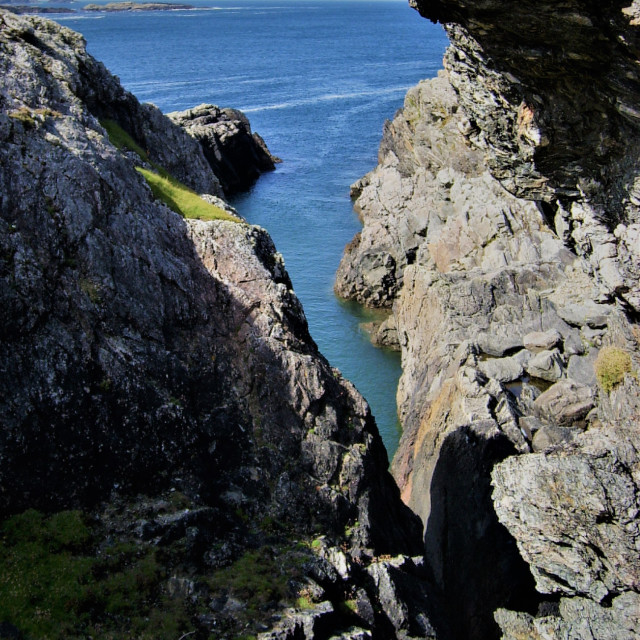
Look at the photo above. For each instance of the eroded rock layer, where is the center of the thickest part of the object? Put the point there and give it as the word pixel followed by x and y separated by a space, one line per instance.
pixel 500 230
pixel 158 374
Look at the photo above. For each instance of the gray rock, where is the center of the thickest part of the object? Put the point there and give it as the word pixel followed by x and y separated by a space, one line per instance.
pixel 549 436
pixel 547 365
pixel 589 314
pixel 577 618
pixel 301 625
pixel 575 517
pixel 353 634
pixel 502 369
pixel 542 340
pixel 566 403
pixel 581 368
pixel 236 155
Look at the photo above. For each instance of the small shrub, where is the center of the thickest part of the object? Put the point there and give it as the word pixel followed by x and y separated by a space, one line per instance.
pixel 304 602
pixel 610 367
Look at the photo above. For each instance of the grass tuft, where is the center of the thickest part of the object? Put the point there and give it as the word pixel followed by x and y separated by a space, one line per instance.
pixel 610 367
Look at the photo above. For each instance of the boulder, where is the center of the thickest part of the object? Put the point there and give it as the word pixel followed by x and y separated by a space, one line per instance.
pixel 236 155
pixel 566 403
pixel 546 365
pixel 537 341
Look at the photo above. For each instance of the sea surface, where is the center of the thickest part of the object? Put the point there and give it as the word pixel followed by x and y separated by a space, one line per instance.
pixel 317 79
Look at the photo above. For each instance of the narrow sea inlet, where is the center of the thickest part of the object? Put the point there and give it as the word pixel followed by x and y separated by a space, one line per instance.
pixel 317 78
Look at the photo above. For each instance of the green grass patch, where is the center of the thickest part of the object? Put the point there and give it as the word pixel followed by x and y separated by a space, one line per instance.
pixel 256 576
pixel 610 367
pixel 120 139
pixel 181 199
pixel 177 196
pixel 54 585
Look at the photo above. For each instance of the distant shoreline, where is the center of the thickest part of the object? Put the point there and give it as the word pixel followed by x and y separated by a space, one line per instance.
pixel 22 9
pixel 137 6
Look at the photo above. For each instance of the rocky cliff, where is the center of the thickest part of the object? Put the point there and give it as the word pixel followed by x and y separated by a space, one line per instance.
pixel 197 466
pixel 501 231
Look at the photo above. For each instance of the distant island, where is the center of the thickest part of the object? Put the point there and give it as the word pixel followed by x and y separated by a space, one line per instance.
pixel 137 6
pixel 30 8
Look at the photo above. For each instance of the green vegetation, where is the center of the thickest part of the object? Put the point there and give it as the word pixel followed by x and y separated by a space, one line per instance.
pixel 257 577
pixel 181 199
pixel 120 139
pixel 177 196
pixel 91 290
pixel 348 607
pixel 304 602
pixel 68 577
pixel 610 367
pixel 54 584
pixel 30 117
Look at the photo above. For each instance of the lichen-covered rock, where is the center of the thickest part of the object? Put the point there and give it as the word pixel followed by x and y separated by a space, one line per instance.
pixel 576 618
pixel 576 517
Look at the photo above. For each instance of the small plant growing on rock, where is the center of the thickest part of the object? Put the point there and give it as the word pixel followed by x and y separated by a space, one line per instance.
pixel 610 367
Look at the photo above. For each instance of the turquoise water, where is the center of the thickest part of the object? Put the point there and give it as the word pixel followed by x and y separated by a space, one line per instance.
pixel 317 78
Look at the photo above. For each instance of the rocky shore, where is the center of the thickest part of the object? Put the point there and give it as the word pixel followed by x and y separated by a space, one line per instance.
pixel 176 456
pixel 500 229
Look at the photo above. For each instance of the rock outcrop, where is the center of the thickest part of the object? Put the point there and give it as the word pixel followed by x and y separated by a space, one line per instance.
pixel 500 229
pixel 157 373
pixel 237 155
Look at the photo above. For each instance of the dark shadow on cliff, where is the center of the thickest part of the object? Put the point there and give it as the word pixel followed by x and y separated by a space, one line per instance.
pixel 474 559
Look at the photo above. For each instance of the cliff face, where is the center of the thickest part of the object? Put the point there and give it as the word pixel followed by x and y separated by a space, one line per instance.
pixel 551 93
pixel 500 228
pixel 143 355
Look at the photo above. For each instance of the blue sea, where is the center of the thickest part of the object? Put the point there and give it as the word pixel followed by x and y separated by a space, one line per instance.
pixel 317 79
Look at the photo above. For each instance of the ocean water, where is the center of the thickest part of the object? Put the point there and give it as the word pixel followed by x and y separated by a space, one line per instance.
pixel 317 79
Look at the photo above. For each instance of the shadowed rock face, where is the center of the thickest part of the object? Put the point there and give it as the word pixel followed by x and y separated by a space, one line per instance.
pixel 142 353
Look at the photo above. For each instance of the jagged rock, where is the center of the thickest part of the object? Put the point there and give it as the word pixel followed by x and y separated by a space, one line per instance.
pixel 581 368
pixel 383 334
pixel 574 513
pixel 576 618
pixel 552 98
pixel 236 155
pixel 398 201
pixel 505 369
pixel 549 436
pixel 395 589
pixel 590 314
pixel 303 625
pixel 353 634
